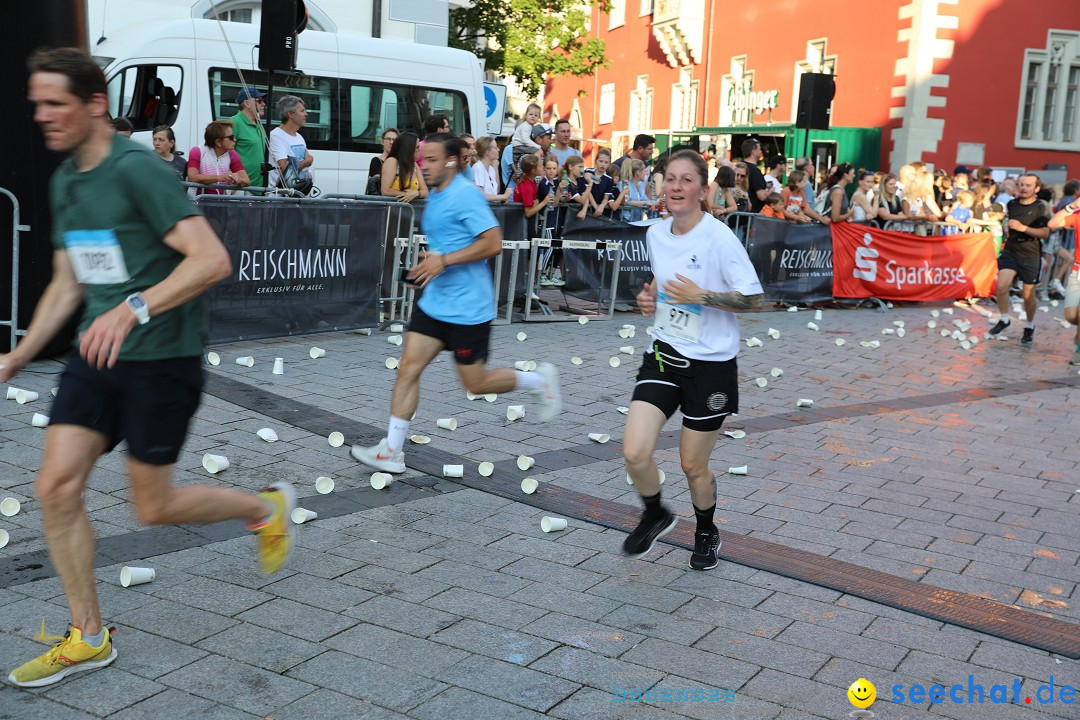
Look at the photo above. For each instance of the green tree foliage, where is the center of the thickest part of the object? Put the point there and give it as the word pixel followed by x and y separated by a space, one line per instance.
pixel 530 39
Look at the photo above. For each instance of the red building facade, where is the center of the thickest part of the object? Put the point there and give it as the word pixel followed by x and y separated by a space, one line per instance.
pixel 949 82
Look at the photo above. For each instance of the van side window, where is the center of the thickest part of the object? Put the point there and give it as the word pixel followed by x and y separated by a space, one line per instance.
pixel 147 95
pixel 319 95
pixel 369 108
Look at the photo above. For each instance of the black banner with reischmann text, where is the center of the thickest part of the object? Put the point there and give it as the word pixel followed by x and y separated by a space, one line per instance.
pixel 794 262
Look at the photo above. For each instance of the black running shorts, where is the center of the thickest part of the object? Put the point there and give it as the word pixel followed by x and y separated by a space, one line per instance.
pixel 1028 269
pixel 469 343
pixel 707 392
pixel 149 403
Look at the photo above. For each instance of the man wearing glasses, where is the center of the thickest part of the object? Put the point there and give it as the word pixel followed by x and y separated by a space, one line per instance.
pixel 250 136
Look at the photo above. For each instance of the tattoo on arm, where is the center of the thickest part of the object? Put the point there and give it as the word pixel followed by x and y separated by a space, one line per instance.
pixel 732 301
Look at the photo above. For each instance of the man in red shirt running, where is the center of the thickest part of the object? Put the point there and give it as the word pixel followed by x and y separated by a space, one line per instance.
pixel 1069 217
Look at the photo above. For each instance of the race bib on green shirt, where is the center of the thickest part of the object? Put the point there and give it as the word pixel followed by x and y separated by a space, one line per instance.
pixel 96 257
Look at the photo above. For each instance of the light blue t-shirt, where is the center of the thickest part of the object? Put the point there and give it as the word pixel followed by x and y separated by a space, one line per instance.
pixel 453 219
pixel 506 163
pixel 563 155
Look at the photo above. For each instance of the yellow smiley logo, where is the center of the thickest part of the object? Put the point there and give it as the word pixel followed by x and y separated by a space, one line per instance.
pixel 862 693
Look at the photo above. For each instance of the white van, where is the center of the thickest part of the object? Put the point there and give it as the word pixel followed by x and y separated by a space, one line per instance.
pixel 180 73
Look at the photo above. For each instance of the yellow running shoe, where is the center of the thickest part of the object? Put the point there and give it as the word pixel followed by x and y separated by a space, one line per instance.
pixel 70 654
pixel 276 533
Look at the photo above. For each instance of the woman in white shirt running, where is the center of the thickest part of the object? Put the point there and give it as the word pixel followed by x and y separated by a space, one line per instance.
pixel 702 277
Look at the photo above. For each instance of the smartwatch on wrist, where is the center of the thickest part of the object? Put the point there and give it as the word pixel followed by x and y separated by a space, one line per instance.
pixel 137 304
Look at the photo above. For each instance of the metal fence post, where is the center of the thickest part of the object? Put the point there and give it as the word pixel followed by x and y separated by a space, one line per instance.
pixel 16 228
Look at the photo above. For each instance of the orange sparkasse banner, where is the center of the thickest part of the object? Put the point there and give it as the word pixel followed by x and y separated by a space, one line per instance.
pixel 868 262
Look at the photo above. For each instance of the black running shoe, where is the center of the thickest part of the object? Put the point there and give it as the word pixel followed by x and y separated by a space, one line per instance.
pixel 1029 335
pixel 999 328
pixel 1055 295
pixel 706 545
pixel 648 531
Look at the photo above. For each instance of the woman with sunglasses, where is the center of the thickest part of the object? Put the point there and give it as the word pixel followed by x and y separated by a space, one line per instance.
pixel 375 168
pixel 741 191
pixel 217 161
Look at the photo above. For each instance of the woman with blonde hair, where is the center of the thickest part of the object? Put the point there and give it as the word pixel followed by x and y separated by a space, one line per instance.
pixel 485 173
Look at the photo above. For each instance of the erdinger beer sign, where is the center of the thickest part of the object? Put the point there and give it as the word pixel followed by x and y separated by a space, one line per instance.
pixel 744 102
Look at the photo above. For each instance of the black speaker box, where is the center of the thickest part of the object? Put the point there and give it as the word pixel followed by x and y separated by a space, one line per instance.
pixel 816 92
pixel 282 21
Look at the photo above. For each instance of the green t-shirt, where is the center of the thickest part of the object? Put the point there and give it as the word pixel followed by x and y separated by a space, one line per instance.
pixel 250 146
pixel 112 220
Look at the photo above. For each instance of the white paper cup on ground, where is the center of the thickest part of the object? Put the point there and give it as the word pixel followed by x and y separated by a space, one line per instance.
pixel 552 524
pixel 420 439
pixel 624 333
pixel 614 361
pixel 267 434
pixel 931 324
pixel 246 361
pixel 316 353
pixel 529 485
pixel 302 515
pixel 521 336
pixel 515 412
pixel 380 480
pixel 737 434
pixel 472 395
pixel 522 365
pixel 324 485
pixel 812 325
pixel 397 328
pixel 335 439
pixel 947 311
pixel 214 464
pixel 10 507
pixel 804 402
pixel 136 575
pixel 24 396
pixel 213 358
pixel 56 391
pixel 935 313
pixel 524 462
pixel 627 349
pixel 737 470
pixel 491 397
pixel 582 320
pixel 362 331
pixel 486 469
pixel 599 437
pixel 901 332
pixel 39 420
pixel 841 342
pixel 391 363
pixel 394 339
pixel 648 330
pixel 776 372
pixel 623 409
pixel 11 392
pixel 279 366
pixel 453 471
pixel 447 423
pixel 774 333
pixel 793 308
pixel 576 360
pixel 817 314
pixel 888 331
pixel 4 538
pixel 761 382
pixel 898 323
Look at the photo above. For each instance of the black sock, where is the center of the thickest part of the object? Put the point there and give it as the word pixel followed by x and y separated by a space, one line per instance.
pixel 653 508
pixel 705 518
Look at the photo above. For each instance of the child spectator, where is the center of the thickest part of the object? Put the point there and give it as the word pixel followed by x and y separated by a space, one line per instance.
pixel 526 190
pixel 522 142
pixel 796 206
pixel 577 188
pixel 602 185
pixel 959 218
pixel 774 206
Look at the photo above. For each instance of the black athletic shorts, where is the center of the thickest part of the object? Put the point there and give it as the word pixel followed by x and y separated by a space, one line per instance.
pixel 469 343
pixel 1028 269
pixel 149 403
pixel 707 392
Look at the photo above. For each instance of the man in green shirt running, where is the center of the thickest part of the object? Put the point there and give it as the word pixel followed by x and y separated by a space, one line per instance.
pixel 131 246
pixel 250 135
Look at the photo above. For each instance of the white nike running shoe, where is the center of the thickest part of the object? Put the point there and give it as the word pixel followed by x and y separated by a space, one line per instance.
pixel 548 396
pixel 380 457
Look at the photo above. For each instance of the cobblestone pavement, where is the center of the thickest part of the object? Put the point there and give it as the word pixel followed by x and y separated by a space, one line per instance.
pixel 433 600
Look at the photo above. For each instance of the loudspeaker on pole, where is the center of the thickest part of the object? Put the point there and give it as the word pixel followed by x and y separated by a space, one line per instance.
pixel 816 92
pixel 282 22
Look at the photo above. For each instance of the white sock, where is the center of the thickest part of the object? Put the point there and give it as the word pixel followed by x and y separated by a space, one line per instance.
pixel 395 434
pixel 1005 318
pixel 528 380
pixel 1031 324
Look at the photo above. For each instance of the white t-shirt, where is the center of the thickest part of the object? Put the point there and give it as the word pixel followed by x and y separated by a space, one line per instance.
pixel 283 145
pixel 773 183
pixel 715 260
pixel 523 136
pixel 487 179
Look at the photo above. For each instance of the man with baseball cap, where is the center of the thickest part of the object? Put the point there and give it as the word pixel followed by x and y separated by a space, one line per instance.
pixel 250 134
pixel 542 135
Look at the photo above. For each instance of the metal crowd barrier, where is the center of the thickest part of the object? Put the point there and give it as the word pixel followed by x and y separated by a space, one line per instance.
pixel 16 228
pixel 594 245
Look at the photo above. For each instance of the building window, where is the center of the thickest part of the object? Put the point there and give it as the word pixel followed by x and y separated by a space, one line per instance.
pixel 607 104
pixel 641 105
pixel 684 95
pixel 617 14
pixel 1046 117
pixel 241 15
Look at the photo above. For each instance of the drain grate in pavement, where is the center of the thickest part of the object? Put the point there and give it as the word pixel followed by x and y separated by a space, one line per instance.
pixel 987 616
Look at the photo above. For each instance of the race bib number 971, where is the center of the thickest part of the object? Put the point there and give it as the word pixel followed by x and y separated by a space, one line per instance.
pixel 96 257
pixel 677 321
